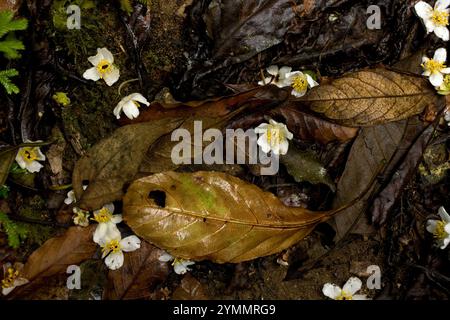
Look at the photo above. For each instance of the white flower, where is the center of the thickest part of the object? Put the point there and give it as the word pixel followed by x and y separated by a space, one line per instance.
pixel 284 78
pixel 103 67
pixel 28 157
pixel 106 228
pixel 435 19
pixel 440 228
pixel 278 77
pixel 113 248
pixel 130 106
pixel 71 196
pixel 12 278
pixel 435 68
pixel 352 286
pixel 274 137
pixel 180 266
pixel 300 82
pixel 81 217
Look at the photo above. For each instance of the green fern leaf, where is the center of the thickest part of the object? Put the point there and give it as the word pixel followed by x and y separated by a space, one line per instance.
pixel 7 24
pixel 5 80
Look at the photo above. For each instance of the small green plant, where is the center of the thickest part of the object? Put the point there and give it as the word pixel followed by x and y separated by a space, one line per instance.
pixel 4 192
pixel 16 233
pixel 10 46
pixel 5 80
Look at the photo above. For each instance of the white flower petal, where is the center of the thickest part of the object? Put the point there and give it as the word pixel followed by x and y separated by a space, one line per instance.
pixel 20 161
pixel 431 226
pixel 92 74
pixel 95 60
pixel 352 285
pixel 440 55
pixel 130 110
pixel 426 73
pixel 445 71
pixel 130 243
pixel 331 291
pixel 272 70
pixel 107 55
pixel 262 128
pixel 444 214
pixel 117 110
pixel 139 98
pixel 114 260
pixel 436 79
pixel 40 155
pixel 70 197
pixel 429 26
pixel 299 94
pixel 284 71
pixel 109 207
pixel 360 297
pixel 165 257
pixel 445 243
pixel 112 76
pixel 34 166
pixel 442 4
pixel 117 218
pixel 284 146
pixel 6 291
pixel 312 83
pixel 100 234
pixel 441 32
pixel 423 9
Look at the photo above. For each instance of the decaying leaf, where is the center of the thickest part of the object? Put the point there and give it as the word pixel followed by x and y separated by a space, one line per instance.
pixel 387 198
pixel 189 289
pixel 139 275
pixel 304 166
pixel 211 215
pixel 56 254
pixel 241 29
pixel 308 127
pixel 372 96
pixel 114 161
pixel 375 152
pixel 7 155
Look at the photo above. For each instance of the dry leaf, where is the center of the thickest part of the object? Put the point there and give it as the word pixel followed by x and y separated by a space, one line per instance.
pixel 371 97
pixel 114 161
pixel 215 216
pixel 375 147
pixel 56 254
pixel 189 289
pixel 139 275
pixel 308 127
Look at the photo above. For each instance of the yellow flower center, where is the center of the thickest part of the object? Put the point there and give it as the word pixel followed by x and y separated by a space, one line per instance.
pixel 178 261
pixel 344 296
pixel 104 67
pixel 112 246
pixel 439 18
pixel 433 66
pixel 274 135
pixel 103 215
pixel 10 277
pixel 28 154
pixel 300 83
pixel 440 232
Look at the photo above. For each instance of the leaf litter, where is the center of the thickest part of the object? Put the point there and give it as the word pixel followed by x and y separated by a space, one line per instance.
pixel 358 142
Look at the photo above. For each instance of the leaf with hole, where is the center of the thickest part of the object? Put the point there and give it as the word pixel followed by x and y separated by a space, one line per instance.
pixel 215 216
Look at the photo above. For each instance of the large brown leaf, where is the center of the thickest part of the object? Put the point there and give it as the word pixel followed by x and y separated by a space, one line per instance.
pixel 242 28
pixel 114 161
pixel 215 216
pixel 376 150
pixel 55 255
pixel 139 275
pixel 372 96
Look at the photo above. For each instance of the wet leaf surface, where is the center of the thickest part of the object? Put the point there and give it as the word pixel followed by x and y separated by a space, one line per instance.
pixel 214 216
pixel 372 96
pixel 138 277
